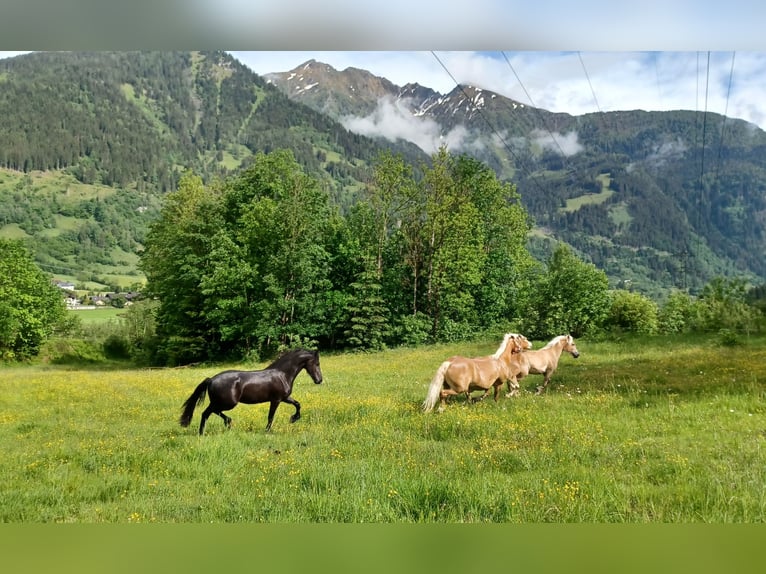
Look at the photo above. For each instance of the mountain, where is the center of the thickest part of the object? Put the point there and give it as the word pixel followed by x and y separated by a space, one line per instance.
pixel 656 199
pixel 89 143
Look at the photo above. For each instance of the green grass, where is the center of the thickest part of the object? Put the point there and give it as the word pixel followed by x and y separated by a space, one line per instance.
pixel 98 315
pixel 635 430
pixel 588 199
pixel 575 203
pixel 12 231
pixel 619 214
pixel 54 182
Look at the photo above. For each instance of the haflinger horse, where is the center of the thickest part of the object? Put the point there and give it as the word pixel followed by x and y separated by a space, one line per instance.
pixel 459 375
pixel 273 385
pixel 541 361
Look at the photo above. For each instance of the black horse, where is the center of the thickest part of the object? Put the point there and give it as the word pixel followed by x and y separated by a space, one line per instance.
pixel 273 385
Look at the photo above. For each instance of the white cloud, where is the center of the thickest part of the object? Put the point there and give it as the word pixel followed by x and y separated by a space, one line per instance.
pixel 566 144
pixel 393 120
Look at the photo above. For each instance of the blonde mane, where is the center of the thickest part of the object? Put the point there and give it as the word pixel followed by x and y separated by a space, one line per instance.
pixel 555 341
pixel 504 344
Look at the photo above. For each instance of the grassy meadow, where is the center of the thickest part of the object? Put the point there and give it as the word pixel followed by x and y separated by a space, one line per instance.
pixel 635 430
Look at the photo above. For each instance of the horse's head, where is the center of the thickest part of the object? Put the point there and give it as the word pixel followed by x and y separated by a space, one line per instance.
pixel 522 342
pixel 513 343
pixel 570 347
pixel 312 367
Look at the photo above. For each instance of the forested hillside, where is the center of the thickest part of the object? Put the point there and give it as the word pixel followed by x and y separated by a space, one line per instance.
pixel 657 199
pixel 89 143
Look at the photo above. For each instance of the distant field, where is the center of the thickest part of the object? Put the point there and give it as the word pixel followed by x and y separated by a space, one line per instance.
pixel 591 198
pixel 12 231
pixel 99 315
pixel 53 182
pixel 635 430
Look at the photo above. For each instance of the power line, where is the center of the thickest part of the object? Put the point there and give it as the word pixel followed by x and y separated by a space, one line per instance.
pixel 481 114
pixel 725 117
pixel 587 77
pixel 534 106
pixel 491 127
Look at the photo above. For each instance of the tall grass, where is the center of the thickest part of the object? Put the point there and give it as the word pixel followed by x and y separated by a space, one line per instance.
pixel 650 430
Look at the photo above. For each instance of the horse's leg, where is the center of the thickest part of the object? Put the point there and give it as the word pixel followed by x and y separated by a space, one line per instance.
pixel 272 409
pixel 445 393
pixel 513 387
pixel 297 406
pixel 546 379
pixel 484 396
pixel 205 414
pixel 226 420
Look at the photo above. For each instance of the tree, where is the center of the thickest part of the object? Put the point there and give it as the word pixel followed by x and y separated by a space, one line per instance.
pixel 723 305
pixel 633 312
pixel 570 297
pixel 505 224
pixel 280 217
pixel 368 325
pixel 677 314
pixel 31 307
pixel 177 256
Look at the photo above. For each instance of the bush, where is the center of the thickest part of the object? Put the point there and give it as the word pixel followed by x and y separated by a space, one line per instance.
pixel 677 315
pixel 453 331
pixel 71 352
pixel 412 330
pixel 632 312
pixel 728 338
pixel 116 347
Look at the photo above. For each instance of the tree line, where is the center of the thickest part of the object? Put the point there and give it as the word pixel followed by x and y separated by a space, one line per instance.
pixel 249 265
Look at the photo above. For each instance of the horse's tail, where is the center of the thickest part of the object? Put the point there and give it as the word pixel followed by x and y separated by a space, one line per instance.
pixel 196 398
pixel 434 389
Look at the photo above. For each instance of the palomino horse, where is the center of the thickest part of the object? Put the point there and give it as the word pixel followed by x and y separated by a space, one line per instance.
pixel 272 385
pixel 459 375
pixel 539 362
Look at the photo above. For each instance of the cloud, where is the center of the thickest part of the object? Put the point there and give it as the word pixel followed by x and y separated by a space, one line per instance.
pixel 566 144
pixel 393 120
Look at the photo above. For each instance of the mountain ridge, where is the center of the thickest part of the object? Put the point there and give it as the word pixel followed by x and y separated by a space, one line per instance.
pixel 642 194
pixel 646 196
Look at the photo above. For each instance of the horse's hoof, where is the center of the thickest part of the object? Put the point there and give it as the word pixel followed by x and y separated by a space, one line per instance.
pixel 294 418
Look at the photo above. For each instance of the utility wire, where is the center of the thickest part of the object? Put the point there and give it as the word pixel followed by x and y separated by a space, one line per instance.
pixel 481 113
pixel 725 117
pixel 587 77
pixel 534 106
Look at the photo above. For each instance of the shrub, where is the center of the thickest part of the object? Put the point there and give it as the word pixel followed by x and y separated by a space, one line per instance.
pixel 677 315
pixel 728 338
pixel 71 352
pixel 412 330
pixel 116 347
pixel 633 312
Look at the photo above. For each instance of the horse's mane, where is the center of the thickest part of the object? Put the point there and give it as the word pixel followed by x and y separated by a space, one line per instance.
pixel 286 357
pixel 503 345
pixel 555 340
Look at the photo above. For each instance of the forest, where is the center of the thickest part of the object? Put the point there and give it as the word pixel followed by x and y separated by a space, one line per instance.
pixel 262 261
